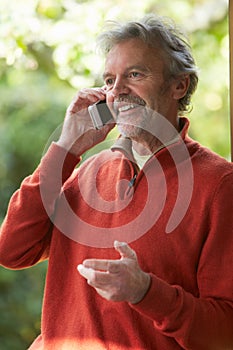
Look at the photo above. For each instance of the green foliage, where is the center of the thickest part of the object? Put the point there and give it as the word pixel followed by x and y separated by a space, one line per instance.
pixel 20 305
pixel 210 117
pixel 47 52
pixel 32 106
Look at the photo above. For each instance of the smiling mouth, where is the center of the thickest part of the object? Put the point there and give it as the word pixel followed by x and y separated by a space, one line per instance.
pixel 127 107
pixel 127 104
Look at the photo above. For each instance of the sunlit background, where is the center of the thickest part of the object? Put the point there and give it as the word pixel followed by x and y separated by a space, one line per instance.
pixel 47 52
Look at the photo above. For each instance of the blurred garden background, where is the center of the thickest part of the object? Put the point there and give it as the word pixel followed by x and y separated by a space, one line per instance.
pixel 47 53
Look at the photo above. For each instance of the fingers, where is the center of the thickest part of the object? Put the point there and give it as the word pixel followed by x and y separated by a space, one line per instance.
pixel 112 266
pixel 85 98
pixel 101 273
pixel 87 273
pixel 93 94
pixel 124 250
pixel 106 129
pixel 117 280
pixel 96 279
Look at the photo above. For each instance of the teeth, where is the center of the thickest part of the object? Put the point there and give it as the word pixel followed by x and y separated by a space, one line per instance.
pixel 126 108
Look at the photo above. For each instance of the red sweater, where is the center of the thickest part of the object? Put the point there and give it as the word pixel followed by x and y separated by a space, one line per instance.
pixel 190 301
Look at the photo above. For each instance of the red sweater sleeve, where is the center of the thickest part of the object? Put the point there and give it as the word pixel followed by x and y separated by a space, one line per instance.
pixel 26 231
pixel 204 322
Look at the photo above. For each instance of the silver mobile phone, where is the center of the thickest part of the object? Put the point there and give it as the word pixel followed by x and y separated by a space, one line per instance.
pixel 100 114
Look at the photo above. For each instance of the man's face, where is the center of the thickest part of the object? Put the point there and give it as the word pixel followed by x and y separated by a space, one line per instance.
pixel 134 79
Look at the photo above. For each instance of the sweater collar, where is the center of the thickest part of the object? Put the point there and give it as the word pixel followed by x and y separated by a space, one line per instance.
pixel 124 144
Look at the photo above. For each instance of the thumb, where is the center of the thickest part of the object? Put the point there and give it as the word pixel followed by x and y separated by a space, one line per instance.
pixel 124 250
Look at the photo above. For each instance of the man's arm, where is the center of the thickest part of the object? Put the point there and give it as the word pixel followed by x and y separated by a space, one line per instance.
pixel 26 231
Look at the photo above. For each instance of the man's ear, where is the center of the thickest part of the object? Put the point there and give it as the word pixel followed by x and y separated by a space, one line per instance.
pixel 180 86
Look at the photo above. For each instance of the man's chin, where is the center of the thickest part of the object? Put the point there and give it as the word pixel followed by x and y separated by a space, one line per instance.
pixel 130 131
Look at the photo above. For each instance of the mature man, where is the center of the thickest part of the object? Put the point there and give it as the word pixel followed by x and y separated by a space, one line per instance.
pixel 147 223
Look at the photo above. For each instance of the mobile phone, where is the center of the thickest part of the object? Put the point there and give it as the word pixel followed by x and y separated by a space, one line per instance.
pixel 100 114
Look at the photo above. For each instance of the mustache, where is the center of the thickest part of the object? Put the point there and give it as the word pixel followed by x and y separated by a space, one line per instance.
pixel 129 99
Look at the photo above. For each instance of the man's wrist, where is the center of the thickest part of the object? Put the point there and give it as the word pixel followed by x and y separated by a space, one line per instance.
pixel 68 147
pixel 144 290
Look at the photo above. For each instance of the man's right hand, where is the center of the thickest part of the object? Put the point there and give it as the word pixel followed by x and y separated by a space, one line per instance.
pixel 78 134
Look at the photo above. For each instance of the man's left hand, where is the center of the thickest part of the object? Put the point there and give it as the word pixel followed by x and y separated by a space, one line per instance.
pixel 117 280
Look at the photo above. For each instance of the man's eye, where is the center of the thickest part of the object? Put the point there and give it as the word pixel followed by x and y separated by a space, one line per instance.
pixel 134 75
pixel 109 81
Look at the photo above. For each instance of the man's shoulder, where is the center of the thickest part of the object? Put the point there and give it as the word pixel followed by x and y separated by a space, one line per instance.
pixel 208 163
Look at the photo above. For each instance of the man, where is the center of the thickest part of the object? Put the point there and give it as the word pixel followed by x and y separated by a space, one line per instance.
pixel 148 223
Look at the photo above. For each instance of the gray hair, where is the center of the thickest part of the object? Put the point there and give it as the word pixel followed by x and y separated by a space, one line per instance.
pixel 158 32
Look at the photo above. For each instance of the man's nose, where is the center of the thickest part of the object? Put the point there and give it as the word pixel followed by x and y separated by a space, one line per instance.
pixel 120 87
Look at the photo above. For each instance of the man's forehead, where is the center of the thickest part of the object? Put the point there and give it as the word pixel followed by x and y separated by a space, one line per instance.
pixel 135 58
